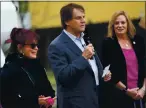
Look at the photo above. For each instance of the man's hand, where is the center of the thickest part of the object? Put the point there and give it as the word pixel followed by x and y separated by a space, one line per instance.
pixel 107 77
pixel 88 52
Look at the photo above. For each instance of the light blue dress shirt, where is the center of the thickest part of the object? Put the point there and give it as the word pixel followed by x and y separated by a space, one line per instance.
pixel 81 44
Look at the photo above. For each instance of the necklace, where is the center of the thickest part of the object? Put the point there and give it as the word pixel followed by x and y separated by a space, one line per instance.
pixel 125 44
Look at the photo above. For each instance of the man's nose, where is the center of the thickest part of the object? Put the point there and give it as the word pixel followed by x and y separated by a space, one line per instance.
pixel 83 20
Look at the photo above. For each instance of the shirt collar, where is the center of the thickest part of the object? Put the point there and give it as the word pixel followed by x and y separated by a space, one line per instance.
pixel 73 37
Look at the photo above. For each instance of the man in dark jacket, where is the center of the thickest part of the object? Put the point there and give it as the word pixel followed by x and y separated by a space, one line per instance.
pixel 75 64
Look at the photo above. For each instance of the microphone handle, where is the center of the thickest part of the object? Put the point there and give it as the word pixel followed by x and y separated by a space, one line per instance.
pixel 89 42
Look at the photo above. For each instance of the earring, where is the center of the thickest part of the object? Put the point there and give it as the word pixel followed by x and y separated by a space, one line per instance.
pixel 21 54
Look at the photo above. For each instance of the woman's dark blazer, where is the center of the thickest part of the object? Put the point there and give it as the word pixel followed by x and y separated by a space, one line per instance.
pixel 112 54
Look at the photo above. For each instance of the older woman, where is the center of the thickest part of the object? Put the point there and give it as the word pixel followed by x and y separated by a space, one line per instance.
pixel 124 51
pixel 24 83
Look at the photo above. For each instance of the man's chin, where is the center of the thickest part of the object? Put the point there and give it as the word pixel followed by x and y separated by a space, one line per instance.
pixel 82 30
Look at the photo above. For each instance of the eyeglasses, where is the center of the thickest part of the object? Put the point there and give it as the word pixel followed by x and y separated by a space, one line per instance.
pixel 32 45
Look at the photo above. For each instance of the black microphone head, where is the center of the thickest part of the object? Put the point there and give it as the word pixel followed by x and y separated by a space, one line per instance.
pixel 87 39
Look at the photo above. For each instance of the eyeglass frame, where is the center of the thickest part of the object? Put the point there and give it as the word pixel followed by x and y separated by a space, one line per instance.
pixel 32 45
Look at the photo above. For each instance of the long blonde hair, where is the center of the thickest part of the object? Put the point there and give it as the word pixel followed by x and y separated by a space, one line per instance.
pixel 131 29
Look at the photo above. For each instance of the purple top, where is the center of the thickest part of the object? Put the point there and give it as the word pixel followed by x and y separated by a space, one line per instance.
pixel 132 67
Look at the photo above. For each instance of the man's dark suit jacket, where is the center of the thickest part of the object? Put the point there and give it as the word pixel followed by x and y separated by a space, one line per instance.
pixel 76 86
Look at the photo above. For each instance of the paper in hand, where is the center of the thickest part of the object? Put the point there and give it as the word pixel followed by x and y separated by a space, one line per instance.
pixel 106 70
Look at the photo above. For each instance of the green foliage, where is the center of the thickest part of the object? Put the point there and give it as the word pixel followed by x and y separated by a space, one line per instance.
pixel 51 78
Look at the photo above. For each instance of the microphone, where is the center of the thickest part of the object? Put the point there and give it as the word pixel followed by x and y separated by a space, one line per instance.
pixel 87 40
pixel 83 45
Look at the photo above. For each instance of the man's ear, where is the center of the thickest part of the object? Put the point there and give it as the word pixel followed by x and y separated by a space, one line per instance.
pixel 66 23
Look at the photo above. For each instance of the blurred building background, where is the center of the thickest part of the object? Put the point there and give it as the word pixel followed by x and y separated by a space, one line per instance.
pixel 46 14
pixel 45 20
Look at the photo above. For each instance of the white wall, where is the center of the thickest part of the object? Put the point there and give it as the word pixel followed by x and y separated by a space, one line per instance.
pixel 9 20
pixel 2 58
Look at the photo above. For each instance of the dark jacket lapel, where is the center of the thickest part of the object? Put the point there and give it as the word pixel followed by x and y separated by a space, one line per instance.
pixel 99 65
pixel 70 44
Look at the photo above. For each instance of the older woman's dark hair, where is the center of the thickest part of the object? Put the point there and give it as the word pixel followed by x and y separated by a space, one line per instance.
pixel 66 12
pixel 21 36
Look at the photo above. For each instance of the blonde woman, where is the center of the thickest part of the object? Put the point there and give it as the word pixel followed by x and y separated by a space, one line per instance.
pixel 124 51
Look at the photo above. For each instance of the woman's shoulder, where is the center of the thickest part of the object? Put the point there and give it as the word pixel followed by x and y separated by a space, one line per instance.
pixel 108 40
pixel 11 66
pixel 9 69
pixel 138 38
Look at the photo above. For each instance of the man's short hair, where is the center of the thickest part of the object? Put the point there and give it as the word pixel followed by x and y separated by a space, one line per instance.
pixel 66 12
